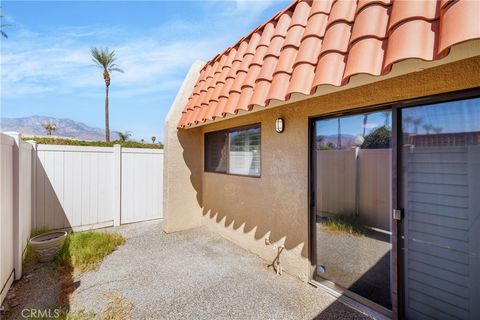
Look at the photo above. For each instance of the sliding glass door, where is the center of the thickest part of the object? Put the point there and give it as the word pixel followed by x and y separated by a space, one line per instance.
pixel 440 195
pixel 428 167
pixel 351 161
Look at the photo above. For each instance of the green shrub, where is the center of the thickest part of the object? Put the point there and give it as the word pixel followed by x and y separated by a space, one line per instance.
pixel 73 142
pixel 378 139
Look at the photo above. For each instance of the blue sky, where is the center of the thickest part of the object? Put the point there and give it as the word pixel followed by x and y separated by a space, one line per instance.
pixel 46 68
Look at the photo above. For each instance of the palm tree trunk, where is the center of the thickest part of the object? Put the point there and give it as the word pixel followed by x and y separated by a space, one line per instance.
pixel 339 136
pixel 107 126
pixel 365 117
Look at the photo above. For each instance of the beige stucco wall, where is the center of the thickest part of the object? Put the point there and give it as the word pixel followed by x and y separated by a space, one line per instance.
pixel 182 174
pixel 246 210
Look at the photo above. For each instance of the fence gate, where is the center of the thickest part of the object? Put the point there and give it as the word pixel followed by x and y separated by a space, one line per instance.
pixel 141 184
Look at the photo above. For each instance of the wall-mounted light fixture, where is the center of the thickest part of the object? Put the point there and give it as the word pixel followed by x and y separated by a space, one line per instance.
pixel 279 125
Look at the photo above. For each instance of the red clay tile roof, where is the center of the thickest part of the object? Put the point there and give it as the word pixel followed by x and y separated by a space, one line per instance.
pixel 313 43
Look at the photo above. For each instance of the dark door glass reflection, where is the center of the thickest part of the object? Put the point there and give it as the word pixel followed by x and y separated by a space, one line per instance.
pixel 353 203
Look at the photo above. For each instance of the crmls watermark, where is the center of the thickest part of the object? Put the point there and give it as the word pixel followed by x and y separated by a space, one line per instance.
pixel 40 313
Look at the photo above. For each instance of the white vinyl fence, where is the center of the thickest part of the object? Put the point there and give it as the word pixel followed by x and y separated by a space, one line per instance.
pixel 141 184
pixel 16 207
pixel 353 180
pixel 92 187
pixel 74 187
pixel 6 214
pixel 56 187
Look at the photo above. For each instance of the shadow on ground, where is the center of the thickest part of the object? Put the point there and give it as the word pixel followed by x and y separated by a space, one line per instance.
pixel 39 289
pixel 197 274
pixel 194 274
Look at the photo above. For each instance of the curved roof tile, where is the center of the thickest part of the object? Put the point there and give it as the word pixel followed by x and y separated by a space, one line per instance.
pixel 313 43
pixel 408 10
pixel 363 26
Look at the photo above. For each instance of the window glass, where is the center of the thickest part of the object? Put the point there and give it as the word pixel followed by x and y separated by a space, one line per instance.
pixel 353 203
pixel 235 151
pixel 440 176
pixel 244 156
pixel 216 151
pixel 366 131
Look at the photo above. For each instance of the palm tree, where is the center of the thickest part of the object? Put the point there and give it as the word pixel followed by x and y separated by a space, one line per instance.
pixel 407 120
pixel 153 139
pixel 123 136
pixel 105 60
pixel 416 122
pixel 365 120
pixel 339 137
pixel 3 26
pixel 386 114
pixel 437 130
pixel 50 127
pixel 427 127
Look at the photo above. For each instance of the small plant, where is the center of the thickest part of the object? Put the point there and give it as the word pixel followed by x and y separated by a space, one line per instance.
pixel 29 256
pixel 351 224
pixel 153 139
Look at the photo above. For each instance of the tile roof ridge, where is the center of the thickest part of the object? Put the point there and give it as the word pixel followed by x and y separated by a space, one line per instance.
pixel 313 44
pixel 257 28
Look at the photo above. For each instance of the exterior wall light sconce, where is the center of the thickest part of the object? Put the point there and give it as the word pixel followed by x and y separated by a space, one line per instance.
pixel 279 125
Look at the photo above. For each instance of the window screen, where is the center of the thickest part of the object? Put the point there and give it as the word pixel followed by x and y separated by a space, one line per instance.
pixel 235 151
pixel 244 155
pixel 216 151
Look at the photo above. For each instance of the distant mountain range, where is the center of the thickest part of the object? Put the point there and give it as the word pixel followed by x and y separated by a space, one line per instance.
pixel 346 140
pixel 32 126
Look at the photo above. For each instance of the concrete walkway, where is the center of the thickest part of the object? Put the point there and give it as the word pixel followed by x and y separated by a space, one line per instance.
pixel 197 274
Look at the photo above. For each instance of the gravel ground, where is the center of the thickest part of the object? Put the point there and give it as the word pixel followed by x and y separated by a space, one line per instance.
pixel 196 274
pixel 39 288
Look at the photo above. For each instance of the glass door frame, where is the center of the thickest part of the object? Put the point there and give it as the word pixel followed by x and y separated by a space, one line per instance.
pixel 397 258
pixel 312 207
pixel 400 225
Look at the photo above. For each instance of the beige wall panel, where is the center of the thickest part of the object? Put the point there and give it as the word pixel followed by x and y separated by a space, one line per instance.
pixel 246 209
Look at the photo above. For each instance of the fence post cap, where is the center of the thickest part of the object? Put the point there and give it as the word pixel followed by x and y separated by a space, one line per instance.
pixel 15 135
pixel 32 142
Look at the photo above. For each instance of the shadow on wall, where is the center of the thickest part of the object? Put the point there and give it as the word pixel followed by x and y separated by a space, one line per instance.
pixel 192 147
pixel 49 213
pixel 274 205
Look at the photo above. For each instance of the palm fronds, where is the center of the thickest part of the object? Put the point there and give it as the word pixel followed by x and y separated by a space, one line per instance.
pixel 123 136
pixel 105 59
pixel 2 26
